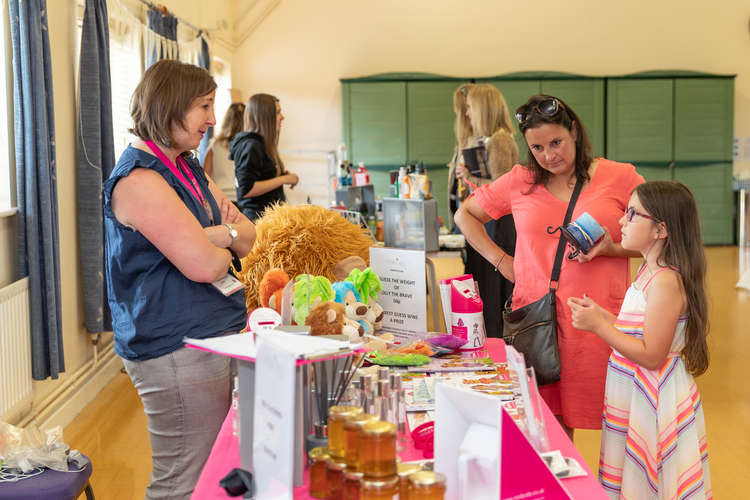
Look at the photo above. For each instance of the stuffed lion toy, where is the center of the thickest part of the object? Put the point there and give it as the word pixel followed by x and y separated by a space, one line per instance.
pixel 302 239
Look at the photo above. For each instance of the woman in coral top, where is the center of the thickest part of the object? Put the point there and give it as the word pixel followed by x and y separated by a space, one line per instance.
pixel 537 196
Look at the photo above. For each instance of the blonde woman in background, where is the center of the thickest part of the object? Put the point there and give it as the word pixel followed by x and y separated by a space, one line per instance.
pixel 260 173
pixel 490 120
pixel 217 164
pixel 458 190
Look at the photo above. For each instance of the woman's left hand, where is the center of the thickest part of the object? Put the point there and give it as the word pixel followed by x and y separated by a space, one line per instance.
pixel 604 247
pixel 461 170
pixel 230 214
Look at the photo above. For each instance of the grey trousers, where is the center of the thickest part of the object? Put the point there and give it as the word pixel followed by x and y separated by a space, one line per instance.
pixel 186 396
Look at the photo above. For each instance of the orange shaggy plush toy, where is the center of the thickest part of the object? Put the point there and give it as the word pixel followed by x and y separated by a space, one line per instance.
pixel 270 288
pixel 301 239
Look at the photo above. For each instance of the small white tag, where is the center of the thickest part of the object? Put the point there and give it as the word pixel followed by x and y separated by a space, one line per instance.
pixel 228 285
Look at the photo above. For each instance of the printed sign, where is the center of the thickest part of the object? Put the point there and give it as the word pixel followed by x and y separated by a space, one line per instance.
pixel 404 295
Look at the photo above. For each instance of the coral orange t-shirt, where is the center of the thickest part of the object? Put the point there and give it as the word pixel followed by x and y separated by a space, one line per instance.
pixel 579 395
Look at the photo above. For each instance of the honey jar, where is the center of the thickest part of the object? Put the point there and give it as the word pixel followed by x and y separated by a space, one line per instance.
pixel 352 431
pixel 318 457
pixel 383 488
pixel 426 485
pixel 377 449
pixel 336 417
pixel 352 484
pixel 404 471
pixel 334 478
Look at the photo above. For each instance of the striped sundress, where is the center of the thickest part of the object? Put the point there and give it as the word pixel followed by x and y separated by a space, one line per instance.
pixel 653 432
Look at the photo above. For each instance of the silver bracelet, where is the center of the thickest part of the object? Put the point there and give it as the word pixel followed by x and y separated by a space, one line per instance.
pixel 499 261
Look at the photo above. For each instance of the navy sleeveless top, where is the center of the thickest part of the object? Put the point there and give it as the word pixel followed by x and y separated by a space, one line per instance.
pixel 153 304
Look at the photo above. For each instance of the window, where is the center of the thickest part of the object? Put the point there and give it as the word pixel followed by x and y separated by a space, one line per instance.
pixel 222 76
pixel 125 70
pixel 7 155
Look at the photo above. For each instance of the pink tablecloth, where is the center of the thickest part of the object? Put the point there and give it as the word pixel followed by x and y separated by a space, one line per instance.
pixel 225 455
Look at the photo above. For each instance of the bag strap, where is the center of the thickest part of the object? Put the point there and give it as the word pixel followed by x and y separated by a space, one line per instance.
pixel 555 277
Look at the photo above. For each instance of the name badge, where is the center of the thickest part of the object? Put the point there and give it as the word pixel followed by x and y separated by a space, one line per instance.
pixel 228 285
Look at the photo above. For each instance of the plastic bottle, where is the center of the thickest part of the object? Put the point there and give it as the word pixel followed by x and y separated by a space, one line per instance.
pixel 403 183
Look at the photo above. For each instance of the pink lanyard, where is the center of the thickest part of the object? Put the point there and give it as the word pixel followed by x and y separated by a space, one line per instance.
pixel 179 173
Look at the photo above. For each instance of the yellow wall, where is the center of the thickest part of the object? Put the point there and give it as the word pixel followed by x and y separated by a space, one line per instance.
pixel 303 48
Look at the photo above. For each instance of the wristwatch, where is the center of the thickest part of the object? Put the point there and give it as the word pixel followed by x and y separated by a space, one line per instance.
pixel 233 233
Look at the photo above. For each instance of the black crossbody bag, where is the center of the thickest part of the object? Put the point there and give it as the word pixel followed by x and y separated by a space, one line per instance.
pixel 532 329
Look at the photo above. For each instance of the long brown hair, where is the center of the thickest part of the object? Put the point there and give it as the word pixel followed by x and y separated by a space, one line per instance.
pixel 462 125
pixel 232 124
pixel 565 117
pixel 673 204
pixel 260 117
pixel 163 96
pixel 489 112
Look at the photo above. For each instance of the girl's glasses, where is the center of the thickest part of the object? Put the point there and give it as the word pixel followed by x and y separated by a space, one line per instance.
pixel 632 212
pixel 547 107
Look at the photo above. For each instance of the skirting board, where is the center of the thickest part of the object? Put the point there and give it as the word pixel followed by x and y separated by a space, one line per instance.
pixel 74 403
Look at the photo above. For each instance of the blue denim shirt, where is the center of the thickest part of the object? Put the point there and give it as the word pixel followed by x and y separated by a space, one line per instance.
pixel 153 304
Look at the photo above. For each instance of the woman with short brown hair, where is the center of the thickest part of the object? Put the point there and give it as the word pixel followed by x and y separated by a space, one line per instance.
pixel 171 234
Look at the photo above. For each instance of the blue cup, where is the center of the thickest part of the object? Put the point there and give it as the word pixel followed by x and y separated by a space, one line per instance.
pixel 582 234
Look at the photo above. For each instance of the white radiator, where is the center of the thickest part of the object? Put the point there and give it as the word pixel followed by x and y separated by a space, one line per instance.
pixel 15 346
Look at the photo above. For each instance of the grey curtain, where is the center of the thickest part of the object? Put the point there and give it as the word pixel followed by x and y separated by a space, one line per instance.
pixel 204 62
pixel 38 233
pixel 164 25
pixel 96 158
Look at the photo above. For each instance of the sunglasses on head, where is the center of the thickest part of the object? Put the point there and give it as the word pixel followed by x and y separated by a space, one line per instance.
pixel 547 107
pixel 632 212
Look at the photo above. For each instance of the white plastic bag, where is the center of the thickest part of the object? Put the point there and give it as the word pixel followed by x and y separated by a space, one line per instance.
pixel 31 448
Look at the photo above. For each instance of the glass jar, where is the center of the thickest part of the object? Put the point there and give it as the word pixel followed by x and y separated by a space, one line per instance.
pixel 352 484
pixel 336 417
pixel 404 471
pixel 318 457
pixel 377 449
pixel 426 485
pixel 334 478
pixel 379 489
pixel 352 431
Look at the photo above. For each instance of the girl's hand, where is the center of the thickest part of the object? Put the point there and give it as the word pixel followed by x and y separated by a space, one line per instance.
pixel 461 170
pixel 604 247
pixel 586 314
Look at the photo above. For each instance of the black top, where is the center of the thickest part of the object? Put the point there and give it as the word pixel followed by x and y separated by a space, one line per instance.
pixel 251 164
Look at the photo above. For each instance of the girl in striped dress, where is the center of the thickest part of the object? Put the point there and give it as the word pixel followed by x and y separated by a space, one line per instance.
pixel 653 432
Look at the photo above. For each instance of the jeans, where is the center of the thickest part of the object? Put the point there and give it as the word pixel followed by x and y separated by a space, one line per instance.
pixel 186 396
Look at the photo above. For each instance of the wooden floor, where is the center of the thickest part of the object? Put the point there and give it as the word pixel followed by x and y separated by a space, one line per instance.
pixel 112 429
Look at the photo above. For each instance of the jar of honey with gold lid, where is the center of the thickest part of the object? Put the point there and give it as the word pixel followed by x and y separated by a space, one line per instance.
pixel 336 417
pixel 352 431
pixel 377 449
pixel 318 457
pixel 334 478
pixel 382 488
pixel 352 484
pixel 404 471
pixel 426 485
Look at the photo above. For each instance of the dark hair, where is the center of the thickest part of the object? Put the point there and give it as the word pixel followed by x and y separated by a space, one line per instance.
pixel 260 117
pixel 232 124
pixel 163 96
pixel 565 117
pixel 673 204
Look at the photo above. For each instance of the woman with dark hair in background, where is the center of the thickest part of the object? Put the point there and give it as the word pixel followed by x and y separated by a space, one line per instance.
pixel 217 164
pixel 559 154
pixel 490 122
pixel 170 236
pixel 259 170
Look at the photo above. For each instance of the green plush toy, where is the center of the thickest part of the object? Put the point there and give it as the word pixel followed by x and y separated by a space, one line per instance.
pixel 309 291
pixel 366 283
